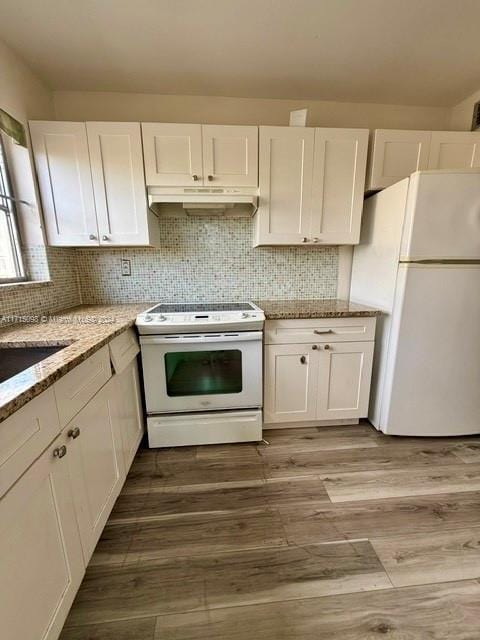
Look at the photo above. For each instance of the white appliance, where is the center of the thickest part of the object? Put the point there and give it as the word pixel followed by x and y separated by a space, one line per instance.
pixel 206 200
pixel 202 370
pixel 419 262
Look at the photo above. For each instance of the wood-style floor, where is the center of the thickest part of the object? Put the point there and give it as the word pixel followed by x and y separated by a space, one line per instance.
pixel 335 533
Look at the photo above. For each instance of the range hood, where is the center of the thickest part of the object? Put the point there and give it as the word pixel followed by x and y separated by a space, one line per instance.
pixel 204 200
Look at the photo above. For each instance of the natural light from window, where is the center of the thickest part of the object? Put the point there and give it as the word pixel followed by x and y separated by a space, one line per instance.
pixel 11 267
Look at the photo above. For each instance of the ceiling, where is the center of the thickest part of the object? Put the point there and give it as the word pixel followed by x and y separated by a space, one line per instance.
pixel 422 52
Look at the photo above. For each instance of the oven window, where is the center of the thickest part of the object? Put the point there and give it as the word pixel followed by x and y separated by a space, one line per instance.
pixel 198 373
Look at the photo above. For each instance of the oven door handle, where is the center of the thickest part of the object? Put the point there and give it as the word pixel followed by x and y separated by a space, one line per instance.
pixel 241 336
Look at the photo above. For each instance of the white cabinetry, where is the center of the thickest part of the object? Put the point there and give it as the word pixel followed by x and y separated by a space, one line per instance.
pixel 173 154
pixel 318 370
pixel 92 183
pixel 454 150
pixel 96 465
pixel 339 167
pixel 116 159
pixel 185 155
pixel 395 154
pixel 62 163
pixel 311 185
pixel 56 503
pixel 41 562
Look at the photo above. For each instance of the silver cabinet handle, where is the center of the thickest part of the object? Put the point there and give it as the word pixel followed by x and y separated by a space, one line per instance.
pixel 321 332
pixel 210 178
pixel 327 347
pixel 314 347
pixel 317 240
pixel 194 177
pixel 303 359
pixel 105 237
pixel 59 452
pixel 92 236
pixel 73 433
pixel 304 239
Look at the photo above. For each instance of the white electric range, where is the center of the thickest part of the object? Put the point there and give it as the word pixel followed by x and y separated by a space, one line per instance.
pixel 202 371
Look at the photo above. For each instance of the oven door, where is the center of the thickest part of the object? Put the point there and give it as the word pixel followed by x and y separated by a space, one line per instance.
pixel 202 372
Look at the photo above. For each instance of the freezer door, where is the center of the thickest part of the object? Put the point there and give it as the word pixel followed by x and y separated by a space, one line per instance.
pixel 431 384
pixel 442 220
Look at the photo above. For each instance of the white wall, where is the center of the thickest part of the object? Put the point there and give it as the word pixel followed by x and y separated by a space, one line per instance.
pixel 25 97
pixel 461 114
pixel 84 105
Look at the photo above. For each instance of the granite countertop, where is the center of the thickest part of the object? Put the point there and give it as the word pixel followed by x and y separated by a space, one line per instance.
pixel 307 309
pixel 84 329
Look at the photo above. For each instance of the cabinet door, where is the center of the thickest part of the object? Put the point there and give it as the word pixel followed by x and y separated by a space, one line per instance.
pixel 96 465
pixel 285 180
pixel 173 154
pixel 119 182
pixel 339 166
pixel 62 162
pixel 128 405
pixel 291 374
pixel 397 154
pixel 454 150
pixel 344 380
pixel 41 563
pixel 230 156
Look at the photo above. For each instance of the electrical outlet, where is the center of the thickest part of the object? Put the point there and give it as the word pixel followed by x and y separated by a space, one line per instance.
pixel 126 267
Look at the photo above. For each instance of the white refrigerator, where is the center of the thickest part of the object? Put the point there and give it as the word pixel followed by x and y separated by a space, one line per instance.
pixel 419 262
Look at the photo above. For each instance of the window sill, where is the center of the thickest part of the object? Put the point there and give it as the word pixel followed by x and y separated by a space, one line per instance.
pixel 29 284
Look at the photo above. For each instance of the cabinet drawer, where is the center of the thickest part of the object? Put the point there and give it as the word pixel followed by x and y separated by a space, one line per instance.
pixel 123 349
pixel 320 330
pixel 24 435
pixel 75 389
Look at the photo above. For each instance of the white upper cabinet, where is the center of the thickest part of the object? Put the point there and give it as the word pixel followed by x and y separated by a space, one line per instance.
pixel 311 185
pixel 92 183
pixel 339 167
pixel 173 154
pixel 62 163
pixel 285 185
pixel 119 183
pixel 454 150
pixel 396 154
pixel 185 155
pixel 230 155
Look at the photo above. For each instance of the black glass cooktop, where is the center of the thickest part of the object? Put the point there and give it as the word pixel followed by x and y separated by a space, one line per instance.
pixel 203 308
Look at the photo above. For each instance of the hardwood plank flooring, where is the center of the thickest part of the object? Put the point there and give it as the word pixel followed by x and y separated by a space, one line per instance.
pixel 332 532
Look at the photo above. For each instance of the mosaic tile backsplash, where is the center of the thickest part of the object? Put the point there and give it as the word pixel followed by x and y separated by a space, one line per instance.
pixel 43 298
pixel 207 259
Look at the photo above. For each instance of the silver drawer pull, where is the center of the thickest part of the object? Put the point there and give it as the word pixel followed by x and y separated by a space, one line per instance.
pixel 321 332
pixel 59 452
pixel 73 433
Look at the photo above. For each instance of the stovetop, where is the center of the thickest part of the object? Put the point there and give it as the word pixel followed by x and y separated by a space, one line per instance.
pixel 200 317
pixel 198 307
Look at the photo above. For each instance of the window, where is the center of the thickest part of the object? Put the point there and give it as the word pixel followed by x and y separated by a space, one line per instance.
pixel 11 264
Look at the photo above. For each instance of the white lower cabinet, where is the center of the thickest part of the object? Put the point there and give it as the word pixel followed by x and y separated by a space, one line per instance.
pixel 128 405
pixel 291 374
pixel 316 380
pixel 41 562
pixel 344 380
pixel 96 464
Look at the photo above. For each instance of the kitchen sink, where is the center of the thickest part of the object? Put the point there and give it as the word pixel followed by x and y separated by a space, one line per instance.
pixel 13 360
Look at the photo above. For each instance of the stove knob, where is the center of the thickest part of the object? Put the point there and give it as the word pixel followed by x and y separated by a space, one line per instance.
pixel 161 318
pixel 148 318
pixel 245 315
